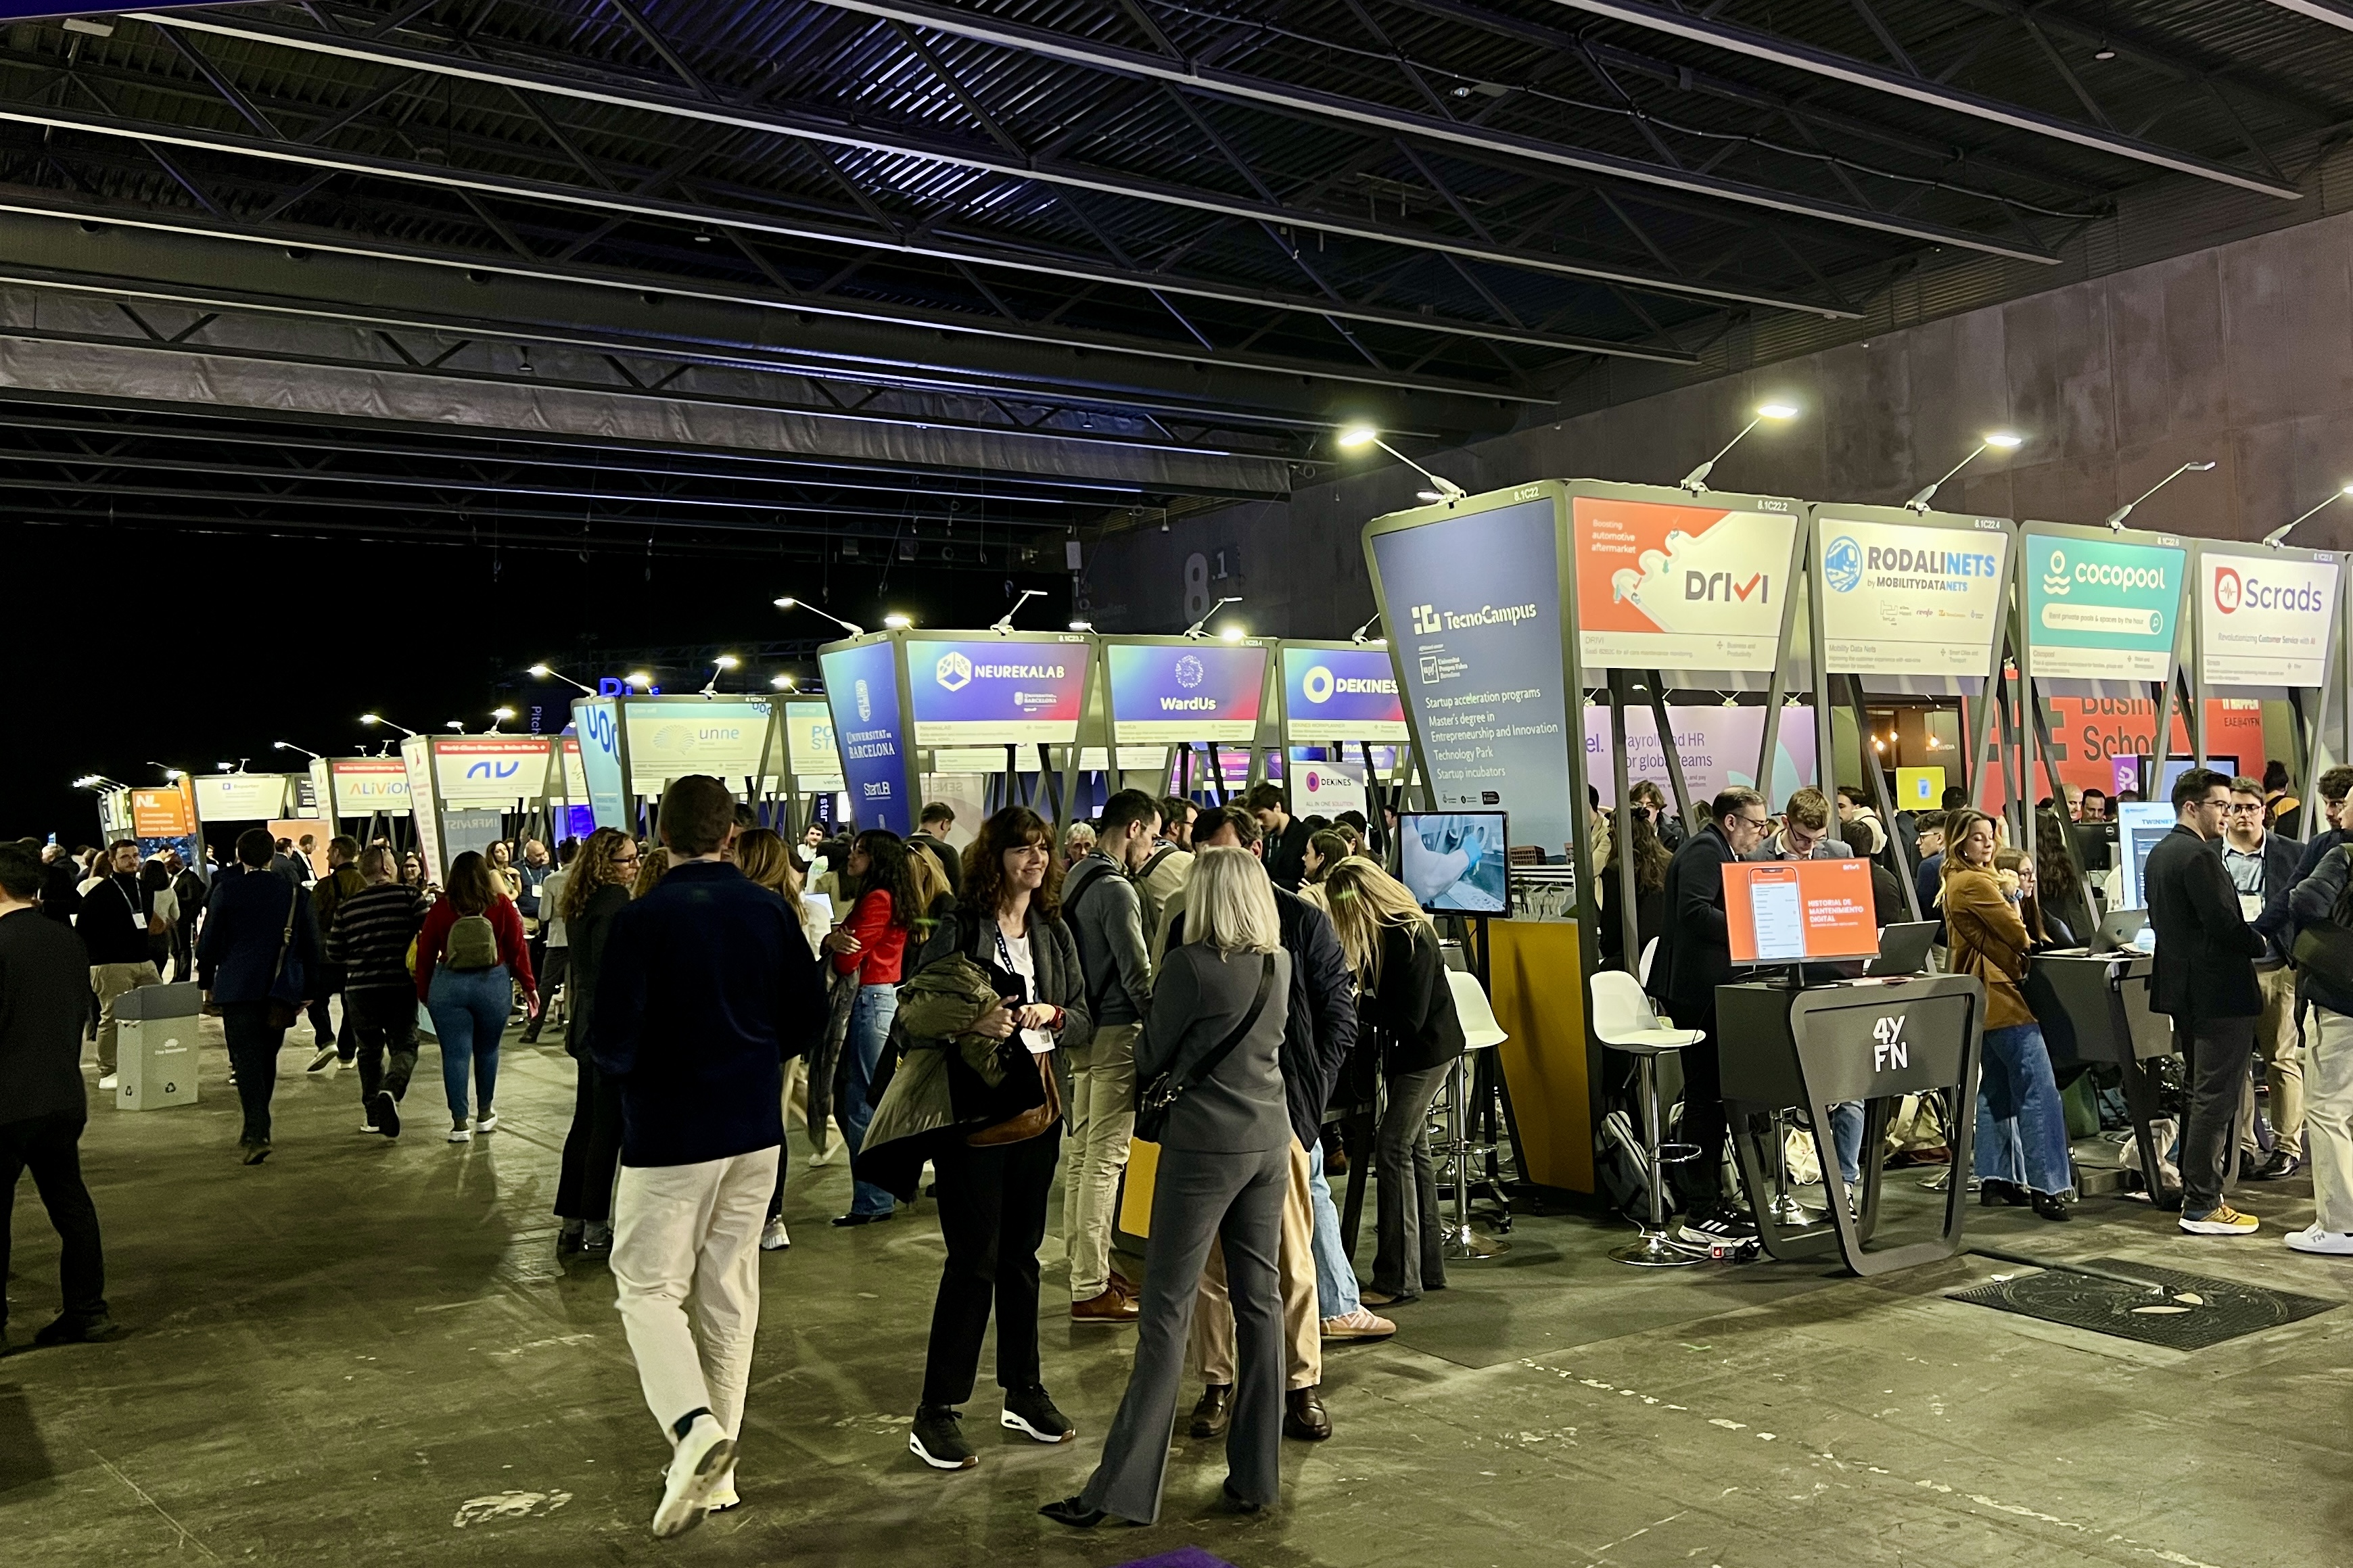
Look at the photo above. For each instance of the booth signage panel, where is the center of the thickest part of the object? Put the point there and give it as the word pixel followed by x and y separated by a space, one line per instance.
pixel 362 786
pixel 161 813
pixel 1919 789
pixel 1901 599
pixel 862 686
pixel 575 775
pixel 2100 609
pixel 416 757
pixel 1718 746
pixel 1186 691
pixel 1478 599
pixel 723 736
pixel 1131 759
pixel 596 723
pixel 1327 789
pixel 968 760
pixel 1662 586
pixel 998 692
pixel 1874 1046
pixel 808 740
pixel 239 797
pixel 490 771
pixel 1341 694
pixel 2264 620
pixel 1790 911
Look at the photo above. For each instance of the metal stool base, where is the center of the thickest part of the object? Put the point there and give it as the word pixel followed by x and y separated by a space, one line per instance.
pixel 1461 1244
pixel 1654 1249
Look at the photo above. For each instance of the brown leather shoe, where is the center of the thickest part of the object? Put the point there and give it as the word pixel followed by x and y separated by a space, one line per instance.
pixel 1126 1287
pixel 1111 1306
pixel 1216 1411
pixel 1303 1416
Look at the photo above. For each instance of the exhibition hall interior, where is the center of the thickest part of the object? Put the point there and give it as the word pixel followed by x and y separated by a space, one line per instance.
pixel 1208 784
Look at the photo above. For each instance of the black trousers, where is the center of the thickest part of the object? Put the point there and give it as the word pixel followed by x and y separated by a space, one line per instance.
pixel 384 1023
pixel 253 1049
pixel 992 1216
pixel 2218 1050
pixel 591 1150
pixel 1700 1181
pixel 50 1147
pixel 323 1023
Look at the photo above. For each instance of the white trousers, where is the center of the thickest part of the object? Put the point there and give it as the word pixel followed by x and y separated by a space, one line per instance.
pixel 686 1255
pixel 2328 1115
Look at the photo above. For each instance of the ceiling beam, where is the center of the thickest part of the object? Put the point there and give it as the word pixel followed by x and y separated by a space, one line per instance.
pixel 1698 28
pixel 2332 12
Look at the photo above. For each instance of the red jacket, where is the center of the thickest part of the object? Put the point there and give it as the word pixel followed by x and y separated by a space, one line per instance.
pixel 879 961
pixel 514 947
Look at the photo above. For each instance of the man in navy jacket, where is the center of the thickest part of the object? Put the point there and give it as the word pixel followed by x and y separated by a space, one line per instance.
pixel 705 987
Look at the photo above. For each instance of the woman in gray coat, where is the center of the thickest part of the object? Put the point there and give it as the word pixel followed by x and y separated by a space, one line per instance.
pixel 1224 1165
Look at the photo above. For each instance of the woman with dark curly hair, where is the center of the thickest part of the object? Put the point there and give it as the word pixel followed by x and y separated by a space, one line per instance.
pixel 870 946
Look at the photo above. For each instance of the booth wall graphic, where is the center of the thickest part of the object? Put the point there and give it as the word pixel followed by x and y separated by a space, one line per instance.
pixel 596 723
pixel 725 737
pixel 1475 626
pixel 861 687
pixel 996 692
pixel 1180 690
pixel 1666 587
pixel 167 812
pixel 491 771
pixel 1904 600
pixel 1338 695
pixel 1718 747
pixel 2097 610
pixel 239 797
pixel 2264 619
pixel 361 786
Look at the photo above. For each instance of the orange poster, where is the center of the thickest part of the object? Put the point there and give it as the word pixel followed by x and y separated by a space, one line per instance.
pixel 1663 585
pixel 167 812
pixel 1787 911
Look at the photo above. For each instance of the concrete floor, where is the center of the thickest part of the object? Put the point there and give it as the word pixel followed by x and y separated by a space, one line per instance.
pixel 366 1352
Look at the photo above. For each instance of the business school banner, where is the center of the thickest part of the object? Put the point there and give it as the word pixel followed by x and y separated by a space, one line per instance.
pixel 1474 605
pixel 1186 691
pixel 491 771
pixel 596 723
pixel 2264 619
pixel 1666 585
pixel 1341 694
pixel 1716 745
pixel 996 691
pixel 361 786
pixel 724 737
pixel 861 687
pixel 239 797
pixel 2100 609
pixel 1905 599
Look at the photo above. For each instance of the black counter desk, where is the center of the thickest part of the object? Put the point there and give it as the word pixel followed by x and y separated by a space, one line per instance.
pixel 1864 1040
pixel 2102 1015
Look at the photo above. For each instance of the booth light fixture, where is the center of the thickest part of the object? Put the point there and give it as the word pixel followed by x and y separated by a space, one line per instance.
pixel 2009 441
pixel 458 725
pixel 640 679
pixel 499 716
pixel 1082 626
pixel 290 746
pixel 1696 481
pixel 2115 519
pixel 783 683
pixel 724 662
pixel 546 672
pixel 1199 628
pixel 380 719
pixel 897 622
pixel 97 780
pixel 1231 633
pixel 1360 639
pixel 790 603
pixel 1004 623
pixel 2280 532
pixel 1355 437
pixel 171 773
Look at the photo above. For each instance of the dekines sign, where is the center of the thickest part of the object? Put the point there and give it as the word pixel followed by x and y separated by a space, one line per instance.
pixel 861 687
pixel 1666 587
pixel 1905 599
pixel 1341 694
pixel 2264 620
pixel 997 692
pixel 2101 610
pixel 1186 691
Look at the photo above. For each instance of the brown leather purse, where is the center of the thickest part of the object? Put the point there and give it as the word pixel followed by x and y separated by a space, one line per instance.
pixel 1032 1122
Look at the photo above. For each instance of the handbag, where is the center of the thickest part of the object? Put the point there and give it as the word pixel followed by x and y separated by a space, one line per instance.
pixel 1155 1099
pixel 1033 1122
pixel 283 1014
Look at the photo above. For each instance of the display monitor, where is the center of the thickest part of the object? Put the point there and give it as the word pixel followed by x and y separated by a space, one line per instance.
pixel 1800 911
pixel 2140 825
pixel 1453 862
pixel 2176 766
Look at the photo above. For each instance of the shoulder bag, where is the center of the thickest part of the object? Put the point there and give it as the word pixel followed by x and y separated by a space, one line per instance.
pixel 282 1014
pixel 1037 1119
pixel 1155 1099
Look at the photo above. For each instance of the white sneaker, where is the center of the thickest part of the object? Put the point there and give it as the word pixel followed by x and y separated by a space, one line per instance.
pixel 489 1123
pixel 829 1155
pixel 773 1237
pixel 722 1495
pixel 109 1081
pixel 370 1127
pixel 704 1457
pixel 2312 1238
pixel 461 1135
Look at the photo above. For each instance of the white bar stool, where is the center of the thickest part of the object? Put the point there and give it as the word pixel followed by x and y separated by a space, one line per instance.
pixel 1480 1032
pixel 1624 1020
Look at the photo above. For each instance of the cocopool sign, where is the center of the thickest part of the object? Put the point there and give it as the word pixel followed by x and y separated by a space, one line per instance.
pixel 2263 619
pixel 2100 610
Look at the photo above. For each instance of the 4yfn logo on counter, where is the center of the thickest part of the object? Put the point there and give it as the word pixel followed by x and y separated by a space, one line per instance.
pixel 1430 618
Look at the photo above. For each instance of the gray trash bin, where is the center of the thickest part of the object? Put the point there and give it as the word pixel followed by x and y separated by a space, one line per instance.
pixel 156 1057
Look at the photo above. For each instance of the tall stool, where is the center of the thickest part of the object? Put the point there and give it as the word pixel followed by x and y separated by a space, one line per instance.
pixel 1624 1020
pixel 1480 1033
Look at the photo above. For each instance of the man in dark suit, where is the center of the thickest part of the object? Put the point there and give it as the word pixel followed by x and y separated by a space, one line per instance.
pixel 1694 957
pixel 2204 979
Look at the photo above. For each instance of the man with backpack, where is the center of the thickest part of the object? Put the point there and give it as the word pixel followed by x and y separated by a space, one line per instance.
pixel 1163 875
pixel 369 948
pixel 328 894
pixel 1105 914
pixel 932 837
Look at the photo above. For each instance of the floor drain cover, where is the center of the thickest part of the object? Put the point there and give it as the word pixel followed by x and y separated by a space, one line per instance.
pixel 2195 1312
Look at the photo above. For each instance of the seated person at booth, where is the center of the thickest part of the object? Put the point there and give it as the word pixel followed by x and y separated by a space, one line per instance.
pixel 1927 873
pixel 1805 834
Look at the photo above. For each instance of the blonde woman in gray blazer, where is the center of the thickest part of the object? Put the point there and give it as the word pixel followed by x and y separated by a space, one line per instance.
pixel 1224 1165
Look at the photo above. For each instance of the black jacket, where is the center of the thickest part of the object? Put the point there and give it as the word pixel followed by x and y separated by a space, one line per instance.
pixel 1694 953
pixel 113 924
pixel 2206 950
pixel 1649 917
pixel 43 999
pixel 1320 1036
pixel 2281 855
pixel 59 901
pixel 951 863
pixel 2312 902
pixel 1286 856
pixel 1414 1006
pixel 585 937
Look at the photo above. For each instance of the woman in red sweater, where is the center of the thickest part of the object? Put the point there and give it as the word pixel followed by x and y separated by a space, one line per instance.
pixel 471 956
pixel 871 944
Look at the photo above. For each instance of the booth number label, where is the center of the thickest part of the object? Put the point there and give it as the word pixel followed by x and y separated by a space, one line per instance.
pixel 1888 1046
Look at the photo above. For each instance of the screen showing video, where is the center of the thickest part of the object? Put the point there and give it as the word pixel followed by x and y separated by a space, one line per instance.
pixel 1454 861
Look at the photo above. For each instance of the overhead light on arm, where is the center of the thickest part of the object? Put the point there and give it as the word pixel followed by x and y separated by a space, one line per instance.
pixel 1696 481
pixel 2115 519
pixel 2003 439
pixel 1355 437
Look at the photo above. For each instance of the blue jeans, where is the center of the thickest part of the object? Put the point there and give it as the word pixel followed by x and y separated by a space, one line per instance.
pixel 2021 1133
pixel 870 1026
pixel 469 1013
pixel 1846 1139
pixel 1336 1275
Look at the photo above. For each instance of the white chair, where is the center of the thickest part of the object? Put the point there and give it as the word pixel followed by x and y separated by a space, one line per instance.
pixel 1650 951
pixel 1624 1020
pixel 1480 1032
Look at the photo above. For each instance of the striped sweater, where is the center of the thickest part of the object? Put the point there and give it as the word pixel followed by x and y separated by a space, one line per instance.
pixel 372 932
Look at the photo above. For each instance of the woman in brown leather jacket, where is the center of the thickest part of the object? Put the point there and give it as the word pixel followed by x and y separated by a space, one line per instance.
pixel 2021 1154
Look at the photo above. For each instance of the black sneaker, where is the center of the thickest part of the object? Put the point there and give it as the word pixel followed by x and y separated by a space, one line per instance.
pixel 1721 1228
pixel 937 1439
pixel 384 1112
pixel 66 1330
pixel 326 1053
pixel 1029 1411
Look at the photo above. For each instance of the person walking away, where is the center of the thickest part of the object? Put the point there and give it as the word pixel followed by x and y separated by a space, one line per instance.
pixel 932 837
pixel 2204 978
pixel 2262 861
pixel 549 957
pixel 1213 1032
pixel 471 958
pixel 1286 836
pixel 869 951
pixel 767 860
pixel 1105 914
pixel 530 904
pixel 594 890
pixel 1694 957
pixel 295 868
pixel 368 947
pixel 188 890
pixel 256 959
pixel 2320 901
pixel 116 920
pixel 343 881
pixel 43 995
pixel 2021 1156
pixel 706 987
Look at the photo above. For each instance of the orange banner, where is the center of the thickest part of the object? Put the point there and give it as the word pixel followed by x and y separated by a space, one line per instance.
pixel 1786 912
pixel 167 812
